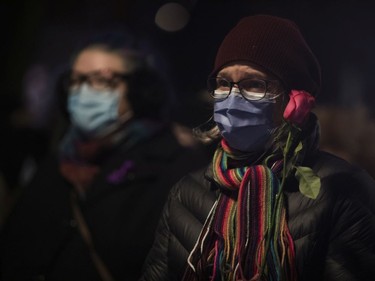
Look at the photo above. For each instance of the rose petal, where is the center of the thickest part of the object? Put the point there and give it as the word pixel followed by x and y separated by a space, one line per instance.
pixel 299 107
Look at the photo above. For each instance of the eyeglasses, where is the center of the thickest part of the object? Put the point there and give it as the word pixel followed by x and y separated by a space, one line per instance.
pixel 97 80
pixel 252 89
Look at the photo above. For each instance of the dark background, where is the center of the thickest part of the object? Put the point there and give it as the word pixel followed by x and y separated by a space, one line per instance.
pixel 341 33
pixel 39 36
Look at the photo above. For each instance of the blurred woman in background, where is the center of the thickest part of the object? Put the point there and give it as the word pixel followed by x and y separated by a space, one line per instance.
pixel 91 211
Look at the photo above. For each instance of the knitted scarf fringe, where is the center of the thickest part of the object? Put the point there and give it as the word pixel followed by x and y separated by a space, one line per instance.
pixel 245 236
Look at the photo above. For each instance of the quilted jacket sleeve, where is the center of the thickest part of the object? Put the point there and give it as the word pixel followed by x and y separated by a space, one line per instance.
pixel 185 212
pixel 351 250
pixel 156 264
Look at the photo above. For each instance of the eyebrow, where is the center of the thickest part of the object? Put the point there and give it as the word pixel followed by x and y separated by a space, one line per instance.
pixel 244 76
pixel 97 73
pixel 250 73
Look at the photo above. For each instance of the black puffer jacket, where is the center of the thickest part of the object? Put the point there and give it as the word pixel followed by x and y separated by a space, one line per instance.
pixel 334 235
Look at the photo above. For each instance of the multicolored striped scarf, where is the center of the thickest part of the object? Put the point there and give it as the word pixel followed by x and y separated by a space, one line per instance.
pixel 246 236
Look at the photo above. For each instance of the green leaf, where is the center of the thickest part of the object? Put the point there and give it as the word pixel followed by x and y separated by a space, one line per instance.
pixel 309 183
pixel 298 148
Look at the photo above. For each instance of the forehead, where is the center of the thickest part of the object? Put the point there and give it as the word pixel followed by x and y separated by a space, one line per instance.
pixel 92 60
pixel 243 69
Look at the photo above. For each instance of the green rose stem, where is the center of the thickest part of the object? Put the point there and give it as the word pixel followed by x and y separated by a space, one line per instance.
pixel 279 195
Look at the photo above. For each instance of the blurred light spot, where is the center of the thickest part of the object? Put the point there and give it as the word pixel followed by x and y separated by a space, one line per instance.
pixel 172 17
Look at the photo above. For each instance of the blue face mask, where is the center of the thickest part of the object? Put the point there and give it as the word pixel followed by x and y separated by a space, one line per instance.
pixel 245 125
pixel 92 111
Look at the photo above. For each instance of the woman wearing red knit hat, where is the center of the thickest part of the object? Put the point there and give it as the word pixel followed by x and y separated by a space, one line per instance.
pixel 271 206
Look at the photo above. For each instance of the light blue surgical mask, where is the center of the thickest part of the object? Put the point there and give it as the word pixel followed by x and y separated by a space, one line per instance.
pixel 92 111
pixel 246 125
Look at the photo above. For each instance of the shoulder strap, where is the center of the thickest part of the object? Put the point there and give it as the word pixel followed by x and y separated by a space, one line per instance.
pixel 86 235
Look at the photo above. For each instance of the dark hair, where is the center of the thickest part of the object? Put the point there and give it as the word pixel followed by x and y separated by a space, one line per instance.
pixel 110 41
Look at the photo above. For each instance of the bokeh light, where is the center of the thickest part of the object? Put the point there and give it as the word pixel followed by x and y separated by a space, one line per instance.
pixel 172 17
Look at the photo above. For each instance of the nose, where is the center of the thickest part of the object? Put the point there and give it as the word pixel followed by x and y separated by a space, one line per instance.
pixel 235 90
pixel 232 100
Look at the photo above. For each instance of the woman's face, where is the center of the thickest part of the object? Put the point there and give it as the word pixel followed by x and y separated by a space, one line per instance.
pixel 238 72
pixel 103 70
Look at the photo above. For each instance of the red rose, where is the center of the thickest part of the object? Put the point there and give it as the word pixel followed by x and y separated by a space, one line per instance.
pixel 299 107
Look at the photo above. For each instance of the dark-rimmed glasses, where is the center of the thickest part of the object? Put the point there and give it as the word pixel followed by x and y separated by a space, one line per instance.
pixel 97 80
pixel 251 89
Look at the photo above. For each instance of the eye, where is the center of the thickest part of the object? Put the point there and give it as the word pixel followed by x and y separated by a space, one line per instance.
pixel 222 84
pixel 253 85
pixel 100 82
pixel 114 81
pixel 75 80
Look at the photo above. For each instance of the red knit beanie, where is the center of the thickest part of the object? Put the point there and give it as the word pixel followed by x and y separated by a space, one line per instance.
pixel 277 46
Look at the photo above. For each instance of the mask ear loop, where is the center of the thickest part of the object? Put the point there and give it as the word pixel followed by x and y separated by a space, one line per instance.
pixel 207 132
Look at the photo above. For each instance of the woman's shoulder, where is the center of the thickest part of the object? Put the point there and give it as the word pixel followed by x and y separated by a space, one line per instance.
pixel 327 164
pixel 194 182
pixel 345 180
pixel 195 193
